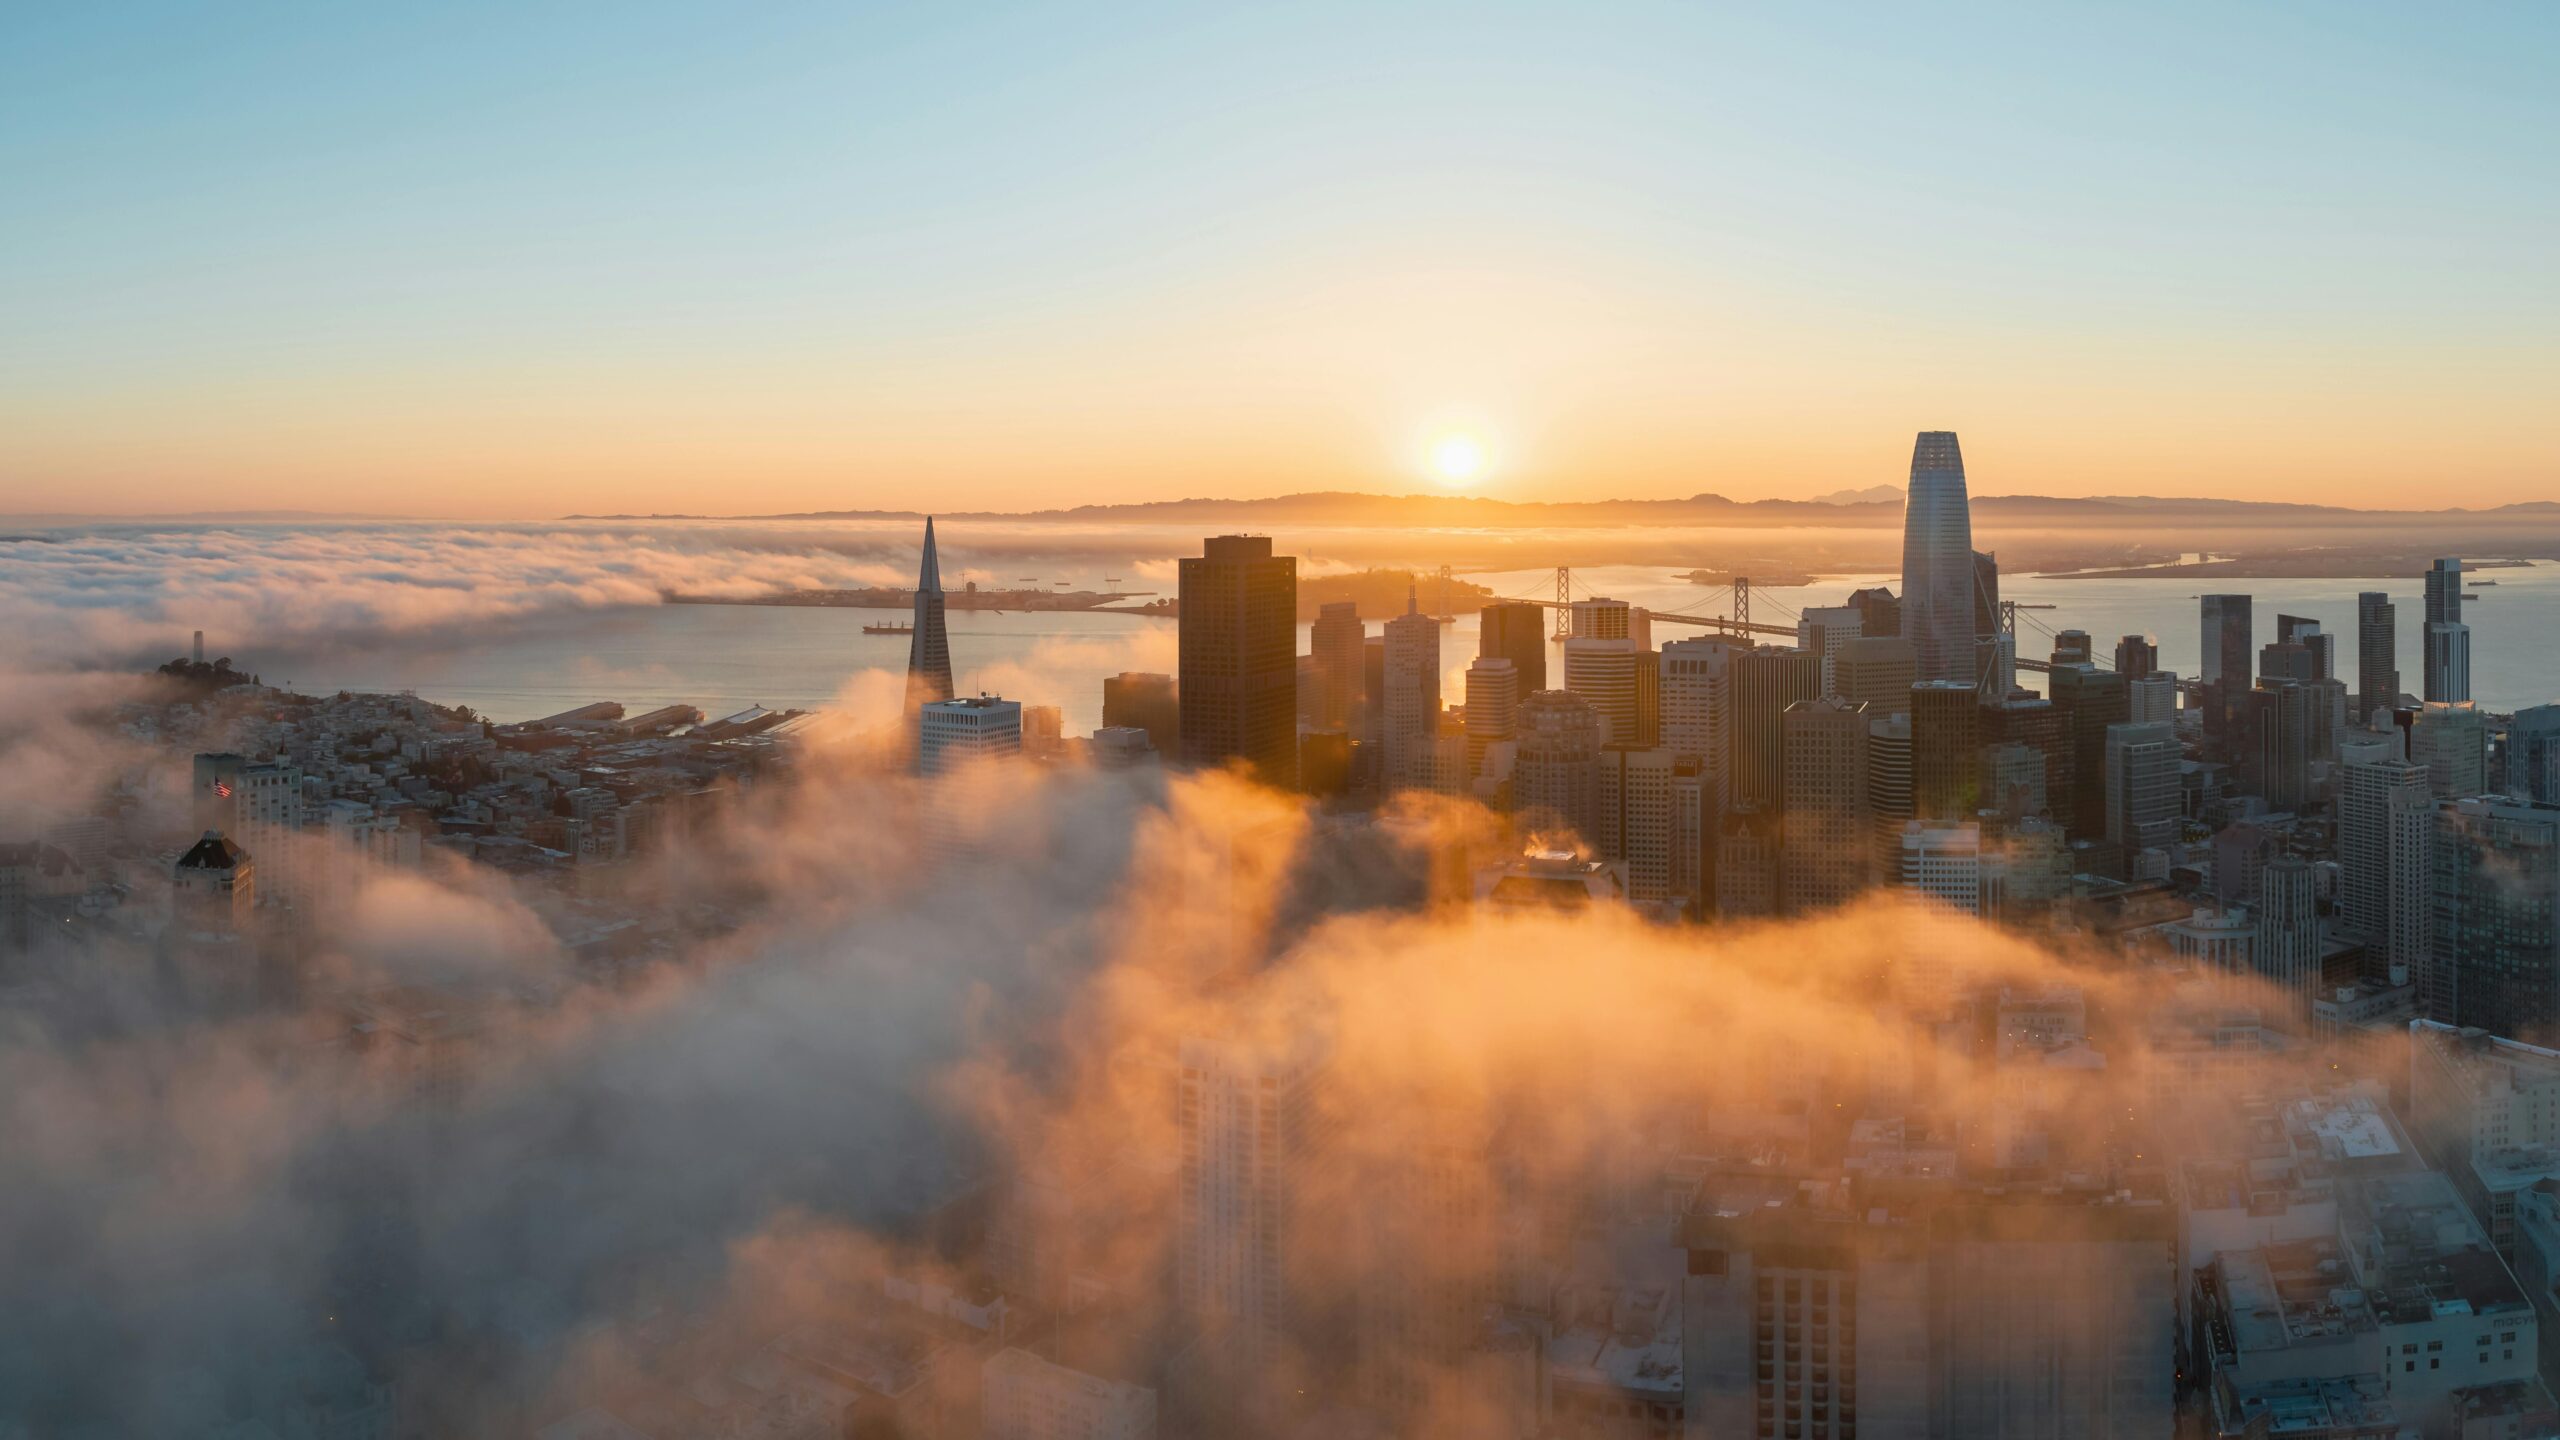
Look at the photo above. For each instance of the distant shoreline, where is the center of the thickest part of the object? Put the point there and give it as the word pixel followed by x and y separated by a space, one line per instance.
pixel 2277 568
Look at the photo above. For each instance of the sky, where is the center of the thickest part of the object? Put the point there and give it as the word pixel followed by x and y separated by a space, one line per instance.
pixel 511 261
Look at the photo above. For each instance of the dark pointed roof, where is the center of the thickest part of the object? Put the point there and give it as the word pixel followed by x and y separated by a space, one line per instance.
pixel 929 578
pixel 214 852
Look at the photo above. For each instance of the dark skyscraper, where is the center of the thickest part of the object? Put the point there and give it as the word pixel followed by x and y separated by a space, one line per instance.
pixel 1937 560
pixel 2090 699
pixel 928 649
pixel 1765 682
pixel 1239 650
pixel 2228 648
pixel 2377 654
pixel 2447 659
pixel 1516 630
pixel 2137 656
pixel 1144 701
pixel 1946 750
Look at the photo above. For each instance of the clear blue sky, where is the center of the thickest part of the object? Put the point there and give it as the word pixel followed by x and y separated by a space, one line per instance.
pixel 503 258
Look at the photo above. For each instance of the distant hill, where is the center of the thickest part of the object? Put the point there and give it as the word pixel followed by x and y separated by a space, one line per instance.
pixel 1351 508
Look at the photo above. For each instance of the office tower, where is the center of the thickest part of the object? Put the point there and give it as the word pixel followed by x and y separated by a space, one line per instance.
pixel 259 807
pixel 1746 861
pixel 1942 861
pixel 1336 642
pixel 2496 948
pixel 2448 640
pixel 1937 560
pixel 2287 953
pixel 1695 816
pixel 2013 780
pixel 1986 594
pixel 1876 671
pixel 2288 660
pixel 1765 681
pixel 2072 647
pixel 2137 656
pixel 1827 828
pixel 2475 1101
pixel 1044 730
pixel 1601 618
pixel 2240 853
pixel 1995 667
pixel 1411 718
pixel 1880 612
pixel 2452 741
pixel 1248 1117
pixel 1025 1397
pixel 1124 747
pixel 1823 629
pixel 1239 647
pixel 1493 699
pixel 2319 645
pixel 2228 640
pixel 2082 1297
pixel 1137 700
pixel 2533 754
pixel 2277 764
pixel 1946 747
pixel 2038 723
pixel 1516 630
pixel 213 888
pixel 2151 698
pixel 2090 700
pixel 2377 655
pixel 1555 776
pixel 1889 789
pixel 1635 817
pixel 2143 806
pixel 953 733
pixel 1602 670
pixel 2386 832
pixel 928 648
pixel 1696 689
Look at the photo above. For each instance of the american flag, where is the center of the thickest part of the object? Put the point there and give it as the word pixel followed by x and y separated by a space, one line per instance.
pixel 222 788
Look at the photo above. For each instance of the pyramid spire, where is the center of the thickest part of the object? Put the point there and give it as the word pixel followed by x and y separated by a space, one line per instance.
pixel 929 577
pixel 928 648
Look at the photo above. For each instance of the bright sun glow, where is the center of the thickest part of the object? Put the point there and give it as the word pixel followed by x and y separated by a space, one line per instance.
pixel 1457 458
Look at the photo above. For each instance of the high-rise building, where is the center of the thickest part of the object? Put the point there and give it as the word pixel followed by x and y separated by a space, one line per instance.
pixel 2013 780
pixel 1601 618
pixel 1555 775
pixel 2533 754
pixel 2277 764
pixel 1493 700
pixel 1823 629
pixel 1765 680
pixel 2151 698
pixel 2229 638
pixel 1601 668
pixel 951 733
pixel 2288 949
pixel 1695 815
pixel 1239 646
pixel 1138 700
pixel 1876 671
pixel 2321 646
pixel 1248 1117
pixel 1636 817
pixel 1746 861
pixel 1336 641
pixel 2142 799
pixel 2090 700
pixel 1880 609
pixel 2452 740
pixel 2448 640
pixel 2386 831
pixel 2072 647
pixel 2377 655
pixel 928 648
pixel 2137 656
pixel 2496 951
pixel 2039 724
pixel 1937 560
pixel 1889 789
pixel 259 806
pixel 1697 701
pixel 1946 751
pixel 1942 860
pixel 1516 630
pixel 1410 720
pixel 214 888
pixel 1827 828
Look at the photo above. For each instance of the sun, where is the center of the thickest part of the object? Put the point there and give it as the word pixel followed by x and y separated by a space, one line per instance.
pixel 1457 459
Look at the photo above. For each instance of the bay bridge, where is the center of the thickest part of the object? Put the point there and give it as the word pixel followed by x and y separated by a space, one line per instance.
pixel 1737 620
